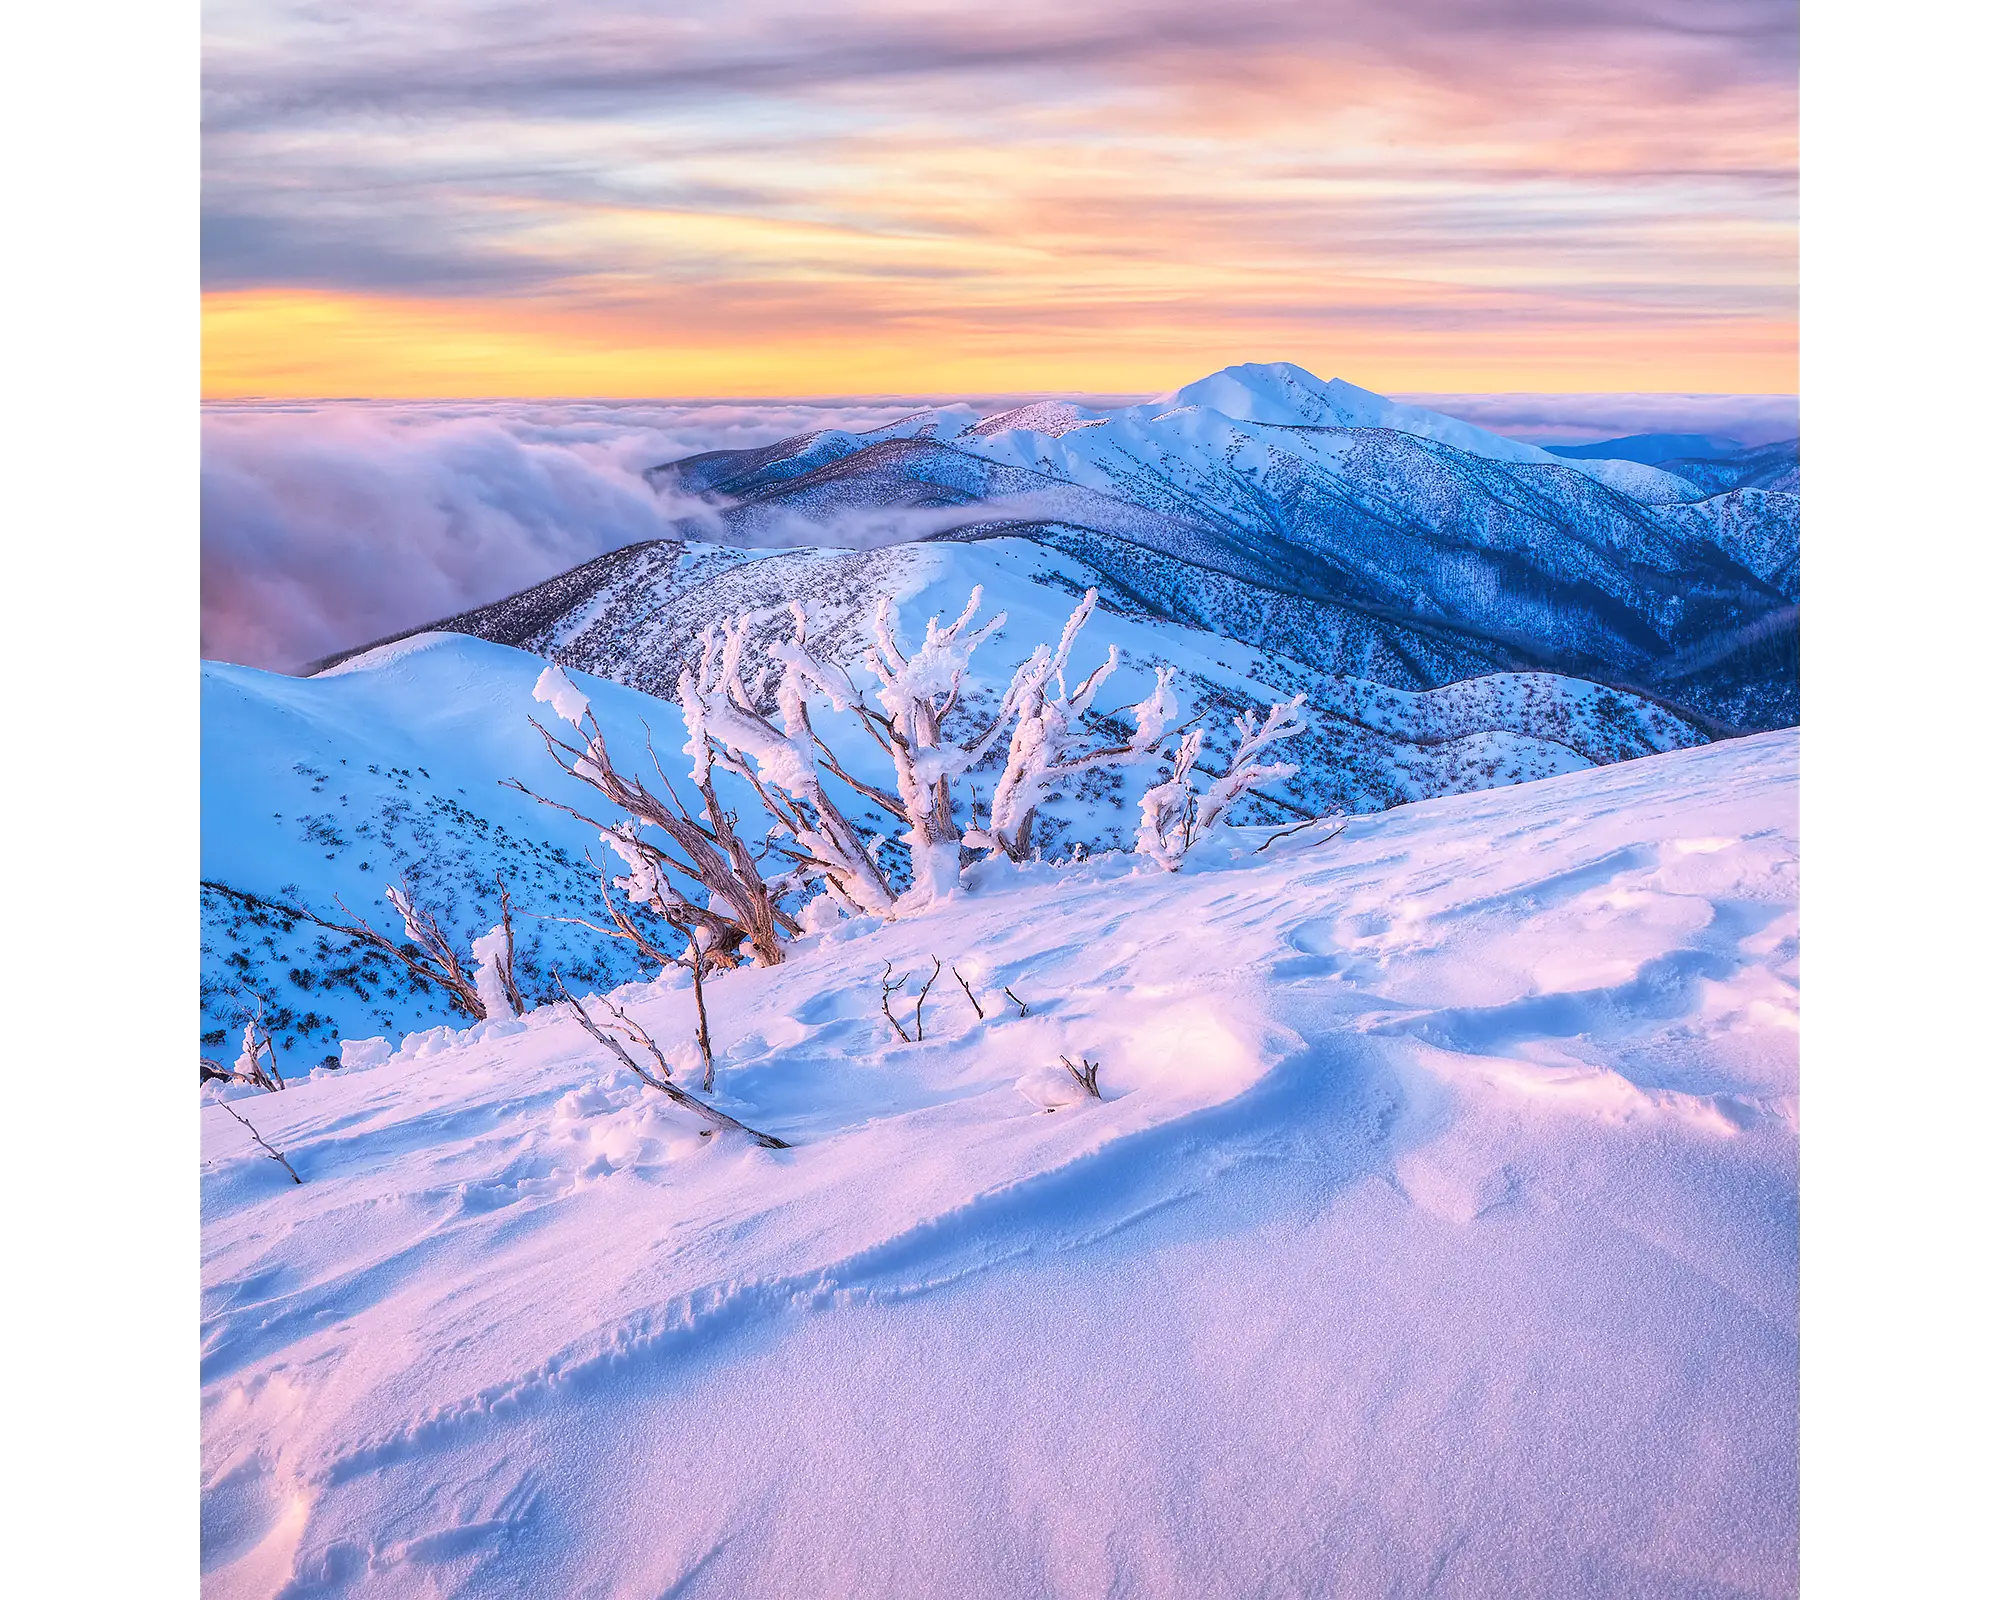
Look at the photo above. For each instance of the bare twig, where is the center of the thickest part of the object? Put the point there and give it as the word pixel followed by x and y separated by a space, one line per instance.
pixel 1286 833
pixel 1085 1075
pixel 639 1036
pixel 269 1149
pixel 697 958
pixel 887 989
pixel 672 1091
pixel 1011 995
pixel 976 1006
pixel 922 993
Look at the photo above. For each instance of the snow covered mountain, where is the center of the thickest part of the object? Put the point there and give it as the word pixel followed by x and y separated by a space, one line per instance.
pixel 1435 1233
pixel 1315 519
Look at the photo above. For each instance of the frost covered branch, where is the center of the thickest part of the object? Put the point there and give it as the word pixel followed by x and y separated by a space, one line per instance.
pixel 1174 816
pixel 742 908
pixel 1051 744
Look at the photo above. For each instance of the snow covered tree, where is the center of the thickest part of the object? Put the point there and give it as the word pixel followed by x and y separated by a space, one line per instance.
pixel 741 907
pixel 1174 816
pixel 1050 744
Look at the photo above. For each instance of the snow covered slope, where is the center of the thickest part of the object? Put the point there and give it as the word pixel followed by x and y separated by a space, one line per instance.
pixel 393 762
pixel 1436 1234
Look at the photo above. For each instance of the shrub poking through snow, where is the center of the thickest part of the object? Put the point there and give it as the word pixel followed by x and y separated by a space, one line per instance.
pixel 1085 1075
pixel 257 1063
pixel 1175 815
pixel 663 1079
pixel 270 1149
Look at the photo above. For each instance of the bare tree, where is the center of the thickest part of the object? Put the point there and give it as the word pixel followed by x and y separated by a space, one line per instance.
pixel 427 956
pixel 705 849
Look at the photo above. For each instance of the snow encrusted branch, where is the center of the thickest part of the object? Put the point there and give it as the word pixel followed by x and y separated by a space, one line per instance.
pixel 1174 816
pixel 1050 744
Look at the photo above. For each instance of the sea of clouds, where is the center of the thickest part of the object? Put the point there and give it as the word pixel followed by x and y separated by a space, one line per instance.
pixel 329 524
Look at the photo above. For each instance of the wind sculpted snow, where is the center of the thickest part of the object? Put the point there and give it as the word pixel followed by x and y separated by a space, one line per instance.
pixel 1436 1234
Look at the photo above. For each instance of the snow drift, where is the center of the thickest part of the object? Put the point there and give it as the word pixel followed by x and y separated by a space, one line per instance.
pixel 1436 1233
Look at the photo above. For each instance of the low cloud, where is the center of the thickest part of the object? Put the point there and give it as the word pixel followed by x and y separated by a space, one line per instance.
pixel 1751 419
pixel 326 526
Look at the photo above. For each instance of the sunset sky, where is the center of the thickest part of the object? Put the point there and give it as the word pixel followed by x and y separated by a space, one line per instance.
pixel 761 198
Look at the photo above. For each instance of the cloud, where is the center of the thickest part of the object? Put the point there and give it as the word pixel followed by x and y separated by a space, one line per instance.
pixel 326 526
pixel 788 171
pixel 1585 418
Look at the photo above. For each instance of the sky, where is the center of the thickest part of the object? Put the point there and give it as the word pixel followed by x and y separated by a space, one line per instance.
pixel 766 198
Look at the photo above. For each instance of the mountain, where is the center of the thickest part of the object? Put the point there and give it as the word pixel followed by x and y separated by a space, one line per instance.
pixel 1342 529
pixel 391 763
pixel 1440 1208
pixel 1773 467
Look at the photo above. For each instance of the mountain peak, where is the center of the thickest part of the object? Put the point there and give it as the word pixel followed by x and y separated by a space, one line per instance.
pixel 1284 394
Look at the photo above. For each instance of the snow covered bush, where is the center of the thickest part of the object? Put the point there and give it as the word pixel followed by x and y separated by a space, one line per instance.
pixel 742 907
pixel 749 710
pixel 1174 815
pixel 1050 745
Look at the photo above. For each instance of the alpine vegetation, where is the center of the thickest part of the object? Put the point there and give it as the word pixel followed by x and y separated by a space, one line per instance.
pixel 749 708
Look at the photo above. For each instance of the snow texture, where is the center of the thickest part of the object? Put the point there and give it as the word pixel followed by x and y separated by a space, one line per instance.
pixel 1436 1234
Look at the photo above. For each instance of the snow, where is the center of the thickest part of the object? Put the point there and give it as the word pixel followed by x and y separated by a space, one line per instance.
pixel 1436 1233
pixel 554 690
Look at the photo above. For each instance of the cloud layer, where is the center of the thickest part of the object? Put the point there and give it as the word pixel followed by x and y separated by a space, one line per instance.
pixel 325 526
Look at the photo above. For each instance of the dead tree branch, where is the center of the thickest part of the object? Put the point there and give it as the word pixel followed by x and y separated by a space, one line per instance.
pixel 270 1149
pixel 507 983
pixel 1286 833
pixel 923 994
pixel 1085 1075
pixel 976 1006
pixel 671 1090
pixel 1011 995
pixel 887 989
